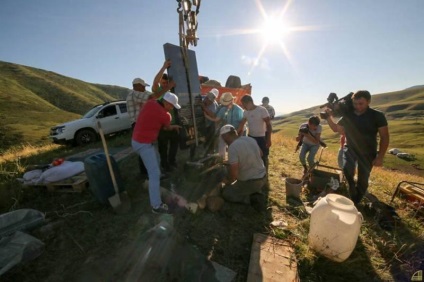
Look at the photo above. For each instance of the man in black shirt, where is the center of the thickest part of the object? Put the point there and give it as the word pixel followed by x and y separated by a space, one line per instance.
pixel 361 127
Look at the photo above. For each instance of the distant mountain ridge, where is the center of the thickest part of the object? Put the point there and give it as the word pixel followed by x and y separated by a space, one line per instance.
pixel 415 87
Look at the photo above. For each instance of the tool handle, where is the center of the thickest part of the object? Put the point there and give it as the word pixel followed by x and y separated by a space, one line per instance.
pixel 109 164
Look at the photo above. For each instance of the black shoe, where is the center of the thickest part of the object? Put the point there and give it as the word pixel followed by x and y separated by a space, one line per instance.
pixel 162 209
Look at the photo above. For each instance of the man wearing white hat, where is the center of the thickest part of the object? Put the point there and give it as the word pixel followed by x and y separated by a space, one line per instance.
pixel 135 100
pixel 139 95
pixel 230 113
pixel 210 106
pixel 152 118
pixel 247 173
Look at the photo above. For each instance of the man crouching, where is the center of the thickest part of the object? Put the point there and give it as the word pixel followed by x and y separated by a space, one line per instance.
pixel 246 172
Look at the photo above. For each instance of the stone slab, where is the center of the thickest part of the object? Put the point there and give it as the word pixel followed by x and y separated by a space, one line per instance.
pixel 272 259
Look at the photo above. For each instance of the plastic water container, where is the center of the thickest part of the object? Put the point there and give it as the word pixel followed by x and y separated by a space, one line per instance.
pixel 293 187
pixel 334 228
pixel 99 178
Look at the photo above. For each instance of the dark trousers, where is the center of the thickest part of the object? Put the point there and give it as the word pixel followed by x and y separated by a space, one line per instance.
pixel 168 141
pixel 351 159
pixel 265 150
pixel 210 139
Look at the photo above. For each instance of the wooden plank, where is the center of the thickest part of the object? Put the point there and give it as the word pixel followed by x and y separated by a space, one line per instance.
pixel 271 259
pixel 74 184
pixel 412 191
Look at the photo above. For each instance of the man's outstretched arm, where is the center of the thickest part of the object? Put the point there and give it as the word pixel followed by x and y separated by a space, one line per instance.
pixel 158 77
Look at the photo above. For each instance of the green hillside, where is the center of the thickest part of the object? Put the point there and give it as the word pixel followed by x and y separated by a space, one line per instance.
pixel 408 103
pixel 33 100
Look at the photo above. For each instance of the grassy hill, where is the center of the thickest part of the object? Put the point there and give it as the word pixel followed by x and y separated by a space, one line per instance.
pixel 33 100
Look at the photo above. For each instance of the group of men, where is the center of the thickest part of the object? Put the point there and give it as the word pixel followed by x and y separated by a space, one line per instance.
pixel 359 150
pixel 244 135
pixel 257 118
pixel 228 124
pixel 156 124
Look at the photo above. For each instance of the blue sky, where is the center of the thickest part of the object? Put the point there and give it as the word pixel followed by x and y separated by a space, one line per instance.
pixel 331 45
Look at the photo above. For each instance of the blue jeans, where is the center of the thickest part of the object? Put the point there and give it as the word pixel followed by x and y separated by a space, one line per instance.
pixel 150 157
pixel 351 159
pixel 312 149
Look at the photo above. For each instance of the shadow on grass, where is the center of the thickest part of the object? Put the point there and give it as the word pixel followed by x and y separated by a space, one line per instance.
pixel 357 267
pixel 401 248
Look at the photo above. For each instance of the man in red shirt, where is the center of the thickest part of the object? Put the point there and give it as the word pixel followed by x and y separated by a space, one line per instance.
pixel 153 117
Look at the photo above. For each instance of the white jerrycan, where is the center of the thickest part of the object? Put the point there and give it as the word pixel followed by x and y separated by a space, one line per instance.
pixel 334 228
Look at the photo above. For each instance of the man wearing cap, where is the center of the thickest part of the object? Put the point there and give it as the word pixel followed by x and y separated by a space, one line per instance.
pixel 139 95
pixel 210 106
pixel 152 118
pixel 259 125
pixel 247 173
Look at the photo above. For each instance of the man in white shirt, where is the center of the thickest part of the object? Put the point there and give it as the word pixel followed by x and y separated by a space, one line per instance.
pixel 259 125
pixel 246 172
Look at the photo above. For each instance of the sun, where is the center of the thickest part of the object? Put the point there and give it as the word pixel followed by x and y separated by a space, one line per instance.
pixel 274 30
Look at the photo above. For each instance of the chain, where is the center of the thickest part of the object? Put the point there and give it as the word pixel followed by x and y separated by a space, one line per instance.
pixel 188 22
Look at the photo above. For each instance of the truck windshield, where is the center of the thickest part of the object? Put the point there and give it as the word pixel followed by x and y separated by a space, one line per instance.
pixel 91 112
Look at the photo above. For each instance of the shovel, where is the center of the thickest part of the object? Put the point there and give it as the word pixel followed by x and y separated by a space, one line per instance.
pixel 115 200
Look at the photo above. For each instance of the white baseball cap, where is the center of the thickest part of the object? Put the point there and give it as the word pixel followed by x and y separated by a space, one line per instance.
pixel 213 94
pixel 173 99
pixel 226 128
pixel 139 81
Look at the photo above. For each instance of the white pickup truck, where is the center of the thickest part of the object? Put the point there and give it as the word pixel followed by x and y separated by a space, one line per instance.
pixel 113 117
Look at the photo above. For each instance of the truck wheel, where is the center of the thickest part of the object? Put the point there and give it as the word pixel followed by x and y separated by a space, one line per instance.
pixel 85 136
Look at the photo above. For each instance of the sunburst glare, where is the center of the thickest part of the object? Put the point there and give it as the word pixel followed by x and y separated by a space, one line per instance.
pixel 274 31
